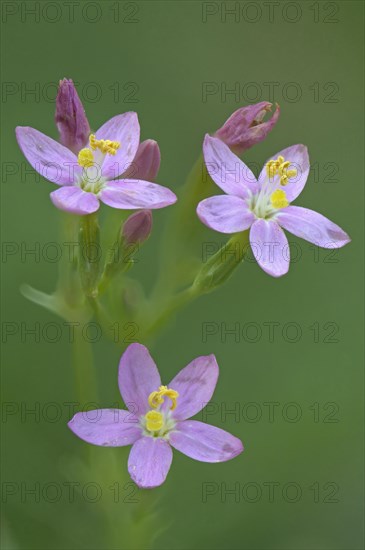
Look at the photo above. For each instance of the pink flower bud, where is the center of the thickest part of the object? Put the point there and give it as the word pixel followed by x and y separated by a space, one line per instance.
pixel 70 117
pixel 245 127
pixel 137 227
pixel 146 163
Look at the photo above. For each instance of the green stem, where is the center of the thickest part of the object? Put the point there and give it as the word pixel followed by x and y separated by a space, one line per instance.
pixel 84 371
pixel 68 284
pixel 176 303
pixel 184 231
pixel 89 253
pixel 211 275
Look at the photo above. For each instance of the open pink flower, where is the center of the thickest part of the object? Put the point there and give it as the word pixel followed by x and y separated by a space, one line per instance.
pixel 157 418
pixel 92 175
pixel 264 204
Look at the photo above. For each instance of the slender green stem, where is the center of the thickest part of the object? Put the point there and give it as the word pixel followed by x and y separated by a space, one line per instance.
pixel 68 284
pixel 100 312
pixel 176 303
pixel 181 243
pixel 89 253
pixel 211 275
pixel 84 372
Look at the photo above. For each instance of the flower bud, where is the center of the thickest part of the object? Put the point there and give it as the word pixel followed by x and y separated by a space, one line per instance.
pixel 70 117
pixel 219 268
pixel 137 228
pixel 245 127
pixel 146 163
pixel 134 231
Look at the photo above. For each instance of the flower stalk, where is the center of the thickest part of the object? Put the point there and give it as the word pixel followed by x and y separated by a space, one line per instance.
pixel 183 233
pixel 133 232
pixel 89 254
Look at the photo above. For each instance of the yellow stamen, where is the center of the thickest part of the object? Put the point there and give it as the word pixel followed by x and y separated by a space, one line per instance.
pixel 280 166
pixel 154 421
pixel 85 158
pixel 283 167
pixel 104 145
pixel 291 173
pixel 271 168
pixel 278 199
pixel 284 180
pixel 156 398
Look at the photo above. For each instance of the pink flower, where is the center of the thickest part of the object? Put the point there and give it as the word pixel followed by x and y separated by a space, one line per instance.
pixel 94 175
pixel 246 126
pixel 264 204
pixel 158 417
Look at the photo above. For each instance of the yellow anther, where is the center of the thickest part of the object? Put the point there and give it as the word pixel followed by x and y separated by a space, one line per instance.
pixel 284 180
pixel 271 168
pixel 278 199
pixel 280 166
pixel 283 167
pixel 85 158
pixel 156 398
pixel 154 421
pixel 104 145
pixel 291 173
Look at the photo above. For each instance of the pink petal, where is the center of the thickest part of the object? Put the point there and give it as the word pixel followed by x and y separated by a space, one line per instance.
pixel 195 384
pixel 138 377
pixel 107 427
pixel 49 158
pixel 298 156
pixel 204 442
pixel 312 227
pixel 227 170
pixel 75 200
pixel 270 247
pixel 225 213
pixel 133 194
pixel 125 129
pixel 149 462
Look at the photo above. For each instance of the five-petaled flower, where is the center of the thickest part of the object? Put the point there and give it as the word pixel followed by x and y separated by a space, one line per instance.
pixel 263 204
pixel 157 418
pixel 97 172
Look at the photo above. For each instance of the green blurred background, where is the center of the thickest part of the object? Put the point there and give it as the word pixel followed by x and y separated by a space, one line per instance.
pixel 155 57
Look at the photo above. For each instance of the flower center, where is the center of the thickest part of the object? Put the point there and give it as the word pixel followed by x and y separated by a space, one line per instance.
pixel 105 146
pixel 91 159
pixel 157 423
pixel 270 197
pixel 85 158
pixel 154 421
pixel 278 199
